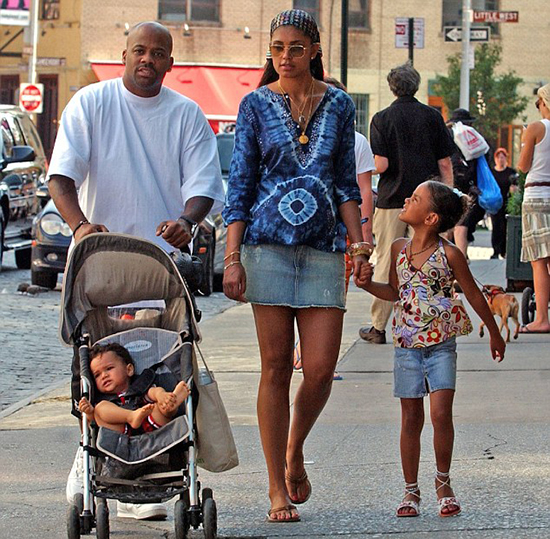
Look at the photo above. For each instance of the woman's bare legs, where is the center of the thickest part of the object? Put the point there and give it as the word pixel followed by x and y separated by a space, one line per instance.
pixel 275 329
pixel 541 280
pixel 412 422
pixel 441 413
pixel 320 332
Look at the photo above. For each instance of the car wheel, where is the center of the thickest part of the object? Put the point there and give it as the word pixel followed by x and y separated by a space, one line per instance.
pixel 47 279
pixel 207 286
pixel 23 258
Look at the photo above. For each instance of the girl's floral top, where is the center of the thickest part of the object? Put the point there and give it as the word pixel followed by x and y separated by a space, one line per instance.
pixel 427 312
pixel 289 193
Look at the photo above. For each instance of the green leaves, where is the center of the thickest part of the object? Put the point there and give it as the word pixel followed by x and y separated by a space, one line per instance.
pixel 497 91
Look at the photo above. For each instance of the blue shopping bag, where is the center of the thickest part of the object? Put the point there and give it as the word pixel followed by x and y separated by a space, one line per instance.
pixel 490 198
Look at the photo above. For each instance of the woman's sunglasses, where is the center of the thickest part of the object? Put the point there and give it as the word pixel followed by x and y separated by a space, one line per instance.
pixel 295 51
pixel 537 104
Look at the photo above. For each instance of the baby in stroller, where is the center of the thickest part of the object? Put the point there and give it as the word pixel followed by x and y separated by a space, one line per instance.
pixel 131 404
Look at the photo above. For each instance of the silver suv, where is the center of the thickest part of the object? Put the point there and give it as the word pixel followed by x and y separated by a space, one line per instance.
pixel 22 173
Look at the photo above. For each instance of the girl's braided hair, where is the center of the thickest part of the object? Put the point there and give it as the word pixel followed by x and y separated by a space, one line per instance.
pixel 449 204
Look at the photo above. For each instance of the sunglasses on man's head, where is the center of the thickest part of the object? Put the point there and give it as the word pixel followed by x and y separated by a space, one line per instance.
pixel 295 51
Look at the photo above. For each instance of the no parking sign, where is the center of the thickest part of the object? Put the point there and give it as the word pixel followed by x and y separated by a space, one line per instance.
pixel 31 97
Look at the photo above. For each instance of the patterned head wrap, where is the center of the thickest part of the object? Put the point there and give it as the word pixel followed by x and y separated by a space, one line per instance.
pixel 301 20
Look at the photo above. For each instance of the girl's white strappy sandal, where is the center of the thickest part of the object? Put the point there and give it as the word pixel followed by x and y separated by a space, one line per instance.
pixel 410 488
pixel 447 501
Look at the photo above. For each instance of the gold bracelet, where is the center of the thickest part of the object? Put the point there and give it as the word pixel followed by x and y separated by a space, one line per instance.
pixel 232 264
pixel 359 248
pixel 231 254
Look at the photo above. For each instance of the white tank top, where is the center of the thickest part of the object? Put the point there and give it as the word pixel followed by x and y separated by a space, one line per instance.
pixel 540 168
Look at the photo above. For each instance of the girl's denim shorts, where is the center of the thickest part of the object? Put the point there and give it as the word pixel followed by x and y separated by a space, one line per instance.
pixel 294 276
pixel 419 371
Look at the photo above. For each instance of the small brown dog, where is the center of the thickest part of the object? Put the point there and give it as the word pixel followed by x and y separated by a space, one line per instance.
pixel 501 304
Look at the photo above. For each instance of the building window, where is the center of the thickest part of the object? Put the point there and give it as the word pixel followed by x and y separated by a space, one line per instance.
pixel 452 12
pixel 311 6
pixel 9 86
pixel 361 113
pixel 189 10
pixel 50 9
pixel 358 14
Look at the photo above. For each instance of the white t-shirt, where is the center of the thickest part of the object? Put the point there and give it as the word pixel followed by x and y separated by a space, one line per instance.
pixel 135 160
pixel 364 160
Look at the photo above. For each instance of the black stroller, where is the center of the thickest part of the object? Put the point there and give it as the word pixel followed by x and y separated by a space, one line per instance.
pixel 104 272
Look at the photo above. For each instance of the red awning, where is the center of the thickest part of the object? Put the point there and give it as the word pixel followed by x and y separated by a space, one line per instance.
pixel 217 90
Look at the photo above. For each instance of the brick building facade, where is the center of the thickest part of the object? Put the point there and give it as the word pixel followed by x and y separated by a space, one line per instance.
pixel 236 33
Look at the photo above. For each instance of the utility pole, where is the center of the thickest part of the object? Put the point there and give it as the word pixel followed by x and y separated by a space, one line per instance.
pixel 411 40
pixel 34 6
pixel 344 44
pixel 465 65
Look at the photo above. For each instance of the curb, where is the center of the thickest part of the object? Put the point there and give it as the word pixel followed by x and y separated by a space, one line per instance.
pixel 13 408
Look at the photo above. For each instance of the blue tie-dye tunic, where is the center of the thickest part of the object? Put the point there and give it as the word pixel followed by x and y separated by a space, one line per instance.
pixel 286 192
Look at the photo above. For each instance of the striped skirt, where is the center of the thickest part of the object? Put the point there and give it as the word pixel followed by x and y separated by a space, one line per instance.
pixel 535 220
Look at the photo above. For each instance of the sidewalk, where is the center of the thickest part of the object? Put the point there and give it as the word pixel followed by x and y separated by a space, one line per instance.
pixel 501 466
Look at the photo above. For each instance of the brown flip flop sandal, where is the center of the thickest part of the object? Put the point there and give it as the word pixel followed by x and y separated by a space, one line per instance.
pixel 288 509
pixel 298 482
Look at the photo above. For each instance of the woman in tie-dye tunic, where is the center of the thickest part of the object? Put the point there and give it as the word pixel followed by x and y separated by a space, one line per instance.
pixel 291 197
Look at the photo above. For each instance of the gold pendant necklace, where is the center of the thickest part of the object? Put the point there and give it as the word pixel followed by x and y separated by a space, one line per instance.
pixel 422 251
pixel 303 138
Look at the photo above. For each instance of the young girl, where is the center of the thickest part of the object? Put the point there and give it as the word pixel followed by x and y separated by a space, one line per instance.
pixel 427 321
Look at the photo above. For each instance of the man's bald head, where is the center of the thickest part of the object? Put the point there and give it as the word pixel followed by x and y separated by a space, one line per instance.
pixel 154 27
pixel 147 58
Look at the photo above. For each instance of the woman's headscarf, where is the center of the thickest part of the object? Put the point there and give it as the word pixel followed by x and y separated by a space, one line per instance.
pixel 299 19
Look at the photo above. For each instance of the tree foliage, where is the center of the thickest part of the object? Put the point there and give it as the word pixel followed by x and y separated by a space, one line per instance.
pixel 498 102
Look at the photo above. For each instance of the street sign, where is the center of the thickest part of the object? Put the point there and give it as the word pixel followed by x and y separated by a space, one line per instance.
pixel 402 33
pixel 31 97
pixel 453 34
pixel 496 16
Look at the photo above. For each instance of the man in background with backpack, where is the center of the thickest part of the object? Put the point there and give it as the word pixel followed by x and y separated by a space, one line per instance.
pixel 410 144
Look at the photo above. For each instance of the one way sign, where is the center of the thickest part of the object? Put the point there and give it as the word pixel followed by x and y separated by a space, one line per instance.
pixel 453 34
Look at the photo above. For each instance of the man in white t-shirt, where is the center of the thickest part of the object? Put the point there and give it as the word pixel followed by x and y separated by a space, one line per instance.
pixel 135 157
pixel 364 165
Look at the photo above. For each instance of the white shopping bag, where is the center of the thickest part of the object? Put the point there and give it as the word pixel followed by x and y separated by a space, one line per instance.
pixel 471 143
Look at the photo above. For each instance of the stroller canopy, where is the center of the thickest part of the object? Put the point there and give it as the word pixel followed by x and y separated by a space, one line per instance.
pixel 106 270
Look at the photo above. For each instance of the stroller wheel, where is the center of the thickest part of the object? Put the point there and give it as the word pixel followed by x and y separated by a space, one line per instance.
pixel 73 522
pixel 102 519
pixel 209 518
pixel 181 519
pixel 206 494
pixel 527 306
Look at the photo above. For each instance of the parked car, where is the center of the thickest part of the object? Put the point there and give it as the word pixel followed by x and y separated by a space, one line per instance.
pixel 226 143
pixel 51 239
pixel 22 172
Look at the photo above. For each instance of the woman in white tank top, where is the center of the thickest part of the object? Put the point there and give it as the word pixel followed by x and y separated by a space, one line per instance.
pixel 535 244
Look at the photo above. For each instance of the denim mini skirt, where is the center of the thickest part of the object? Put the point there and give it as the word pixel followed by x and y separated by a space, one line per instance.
pixel 294 276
